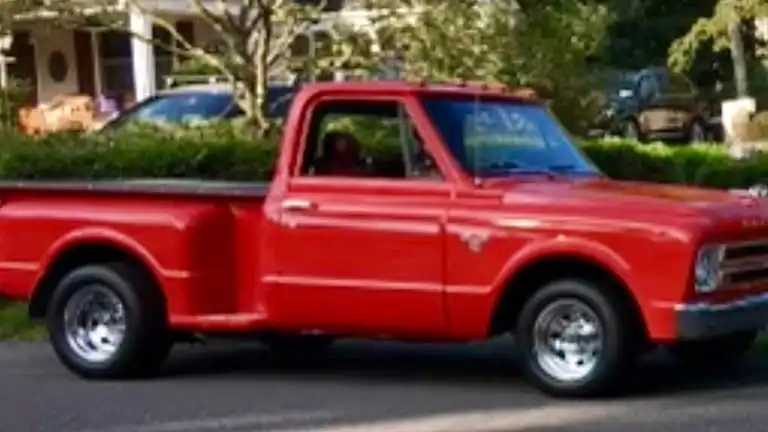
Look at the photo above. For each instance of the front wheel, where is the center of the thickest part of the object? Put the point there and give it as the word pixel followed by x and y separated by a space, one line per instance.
pixel 715 353
pixel 575 339
pixel 108 321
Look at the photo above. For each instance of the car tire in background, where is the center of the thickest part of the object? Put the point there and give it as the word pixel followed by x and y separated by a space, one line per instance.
pixel 630 130
pixel 697 132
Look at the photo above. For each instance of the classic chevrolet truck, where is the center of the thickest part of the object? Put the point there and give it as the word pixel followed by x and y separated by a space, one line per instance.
pixel 472 215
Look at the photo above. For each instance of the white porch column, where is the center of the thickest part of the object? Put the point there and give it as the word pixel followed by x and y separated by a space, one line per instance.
pixel 144 84
pixel 98 85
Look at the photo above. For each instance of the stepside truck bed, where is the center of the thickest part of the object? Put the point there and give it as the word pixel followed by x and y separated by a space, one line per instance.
pixel 144 186
pixel 198 238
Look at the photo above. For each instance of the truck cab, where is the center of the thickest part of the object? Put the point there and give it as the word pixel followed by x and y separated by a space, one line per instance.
pixel 407 211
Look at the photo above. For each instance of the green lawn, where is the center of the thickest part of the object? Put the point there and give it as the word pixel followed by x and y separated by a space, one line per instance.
pixel 15 325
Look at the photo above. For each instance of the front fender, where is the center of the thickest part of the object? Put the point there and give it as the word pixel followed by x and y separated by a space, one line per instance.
pixel 575 247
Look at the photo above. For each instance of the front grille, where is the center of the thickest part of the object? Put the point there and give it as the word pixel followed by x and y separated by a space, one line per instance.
pixel 745 264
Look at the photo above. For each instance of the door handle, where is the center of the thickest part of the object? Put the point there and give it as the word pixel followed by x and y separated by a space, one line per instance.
pixel 297 204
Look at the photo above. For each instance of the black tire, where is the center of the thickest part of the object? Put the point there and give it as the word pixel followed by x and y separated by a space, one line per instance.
pixel 297 344
pixel 630 129
pixel 618 337
pixel 716 353
pixel 697 132
pixel 146 340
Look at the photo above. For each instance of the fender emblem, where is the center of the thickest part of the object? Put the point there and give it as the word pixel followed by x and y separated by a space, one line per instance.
pixel 474 240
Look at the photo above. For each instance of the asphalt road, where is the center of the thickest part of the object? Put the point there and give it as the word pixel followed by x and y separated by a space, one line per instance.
pixel 364 387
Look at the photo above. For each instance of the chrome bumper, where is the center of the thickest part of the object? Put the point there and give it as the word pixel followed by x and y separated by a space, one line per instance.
pixel 703 320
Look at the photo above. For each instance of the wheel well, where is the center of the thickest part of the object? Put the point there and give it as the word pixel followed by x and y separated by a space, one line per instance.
pixel 535 275
pixel 72 258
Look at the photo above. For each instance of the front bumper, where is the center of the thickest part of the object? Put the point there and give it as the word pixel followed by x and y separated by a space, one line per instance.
pixel 704 320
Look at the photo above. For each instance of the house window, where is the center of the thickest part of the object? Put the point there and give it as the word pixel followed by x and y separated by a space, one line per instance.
pixel 117 64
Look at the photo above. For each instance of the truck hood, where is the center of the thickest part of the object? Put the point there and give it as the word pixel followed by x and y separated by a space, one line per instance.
pixel 639 200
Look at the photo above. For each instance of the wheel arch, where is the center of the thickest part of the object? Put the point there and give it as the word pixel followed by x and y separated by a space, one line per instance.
pixel 83 251
pixel 529 277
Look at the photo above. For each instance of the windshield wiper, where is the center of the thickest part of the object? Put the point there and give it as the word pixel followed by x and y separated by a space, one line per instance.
pixel 515 167
pixel 570 168
pixel 545 171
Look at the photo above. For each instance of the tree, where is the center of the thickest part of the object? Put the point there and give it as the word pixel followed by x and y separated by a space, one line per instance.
pixel 643 30
pixel 724 29
pixel 255 36
pixel 511 42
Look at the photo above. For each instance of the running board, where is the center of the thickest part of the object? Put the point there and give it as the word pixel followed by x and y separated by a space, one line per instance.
pixel 218 322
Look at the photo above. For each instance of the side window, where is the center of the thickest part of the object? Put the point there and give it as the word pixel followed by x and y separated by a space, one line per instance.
pixel 365 139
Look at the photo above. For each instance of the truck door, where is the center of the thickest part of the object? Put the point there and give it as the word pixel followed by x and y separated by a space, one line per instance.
pixel 359 239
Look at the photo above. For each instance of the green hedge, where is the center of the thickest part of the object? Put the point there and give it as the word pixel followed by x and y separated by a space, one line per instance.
pixel 700 165
pixel 216 153
pixel 223 152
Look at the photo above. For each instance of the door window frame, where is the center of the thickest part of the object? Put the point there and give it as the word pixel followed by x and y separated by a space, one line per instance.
pixel 417 119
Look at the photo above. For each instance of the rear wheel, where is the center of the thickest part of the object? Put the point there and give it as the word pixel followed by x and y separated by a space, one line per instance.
pixel 575 339
pixel 715 353
pixel 108 321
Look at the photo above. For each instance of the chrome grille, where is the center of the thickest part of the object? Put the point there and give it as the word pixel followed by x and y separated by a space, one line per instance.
pixel 745 264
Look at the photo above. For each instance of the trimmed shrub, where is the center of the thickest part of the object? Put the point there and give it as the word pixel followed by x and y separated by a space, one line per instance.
pixel 700 165
pixel 225 152
pixel 214 152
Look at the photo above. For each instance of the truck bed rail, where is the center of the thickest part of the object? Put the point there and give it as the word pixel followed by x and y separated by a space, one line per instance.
pixel 163 186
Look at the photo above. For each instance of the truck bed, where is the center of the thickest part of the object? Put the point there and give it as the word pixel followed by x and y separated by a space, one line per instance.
pixel 161 186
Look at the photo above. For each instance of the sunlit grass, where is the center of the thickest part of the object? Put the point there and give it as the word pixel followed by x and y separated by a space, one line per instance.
pixel 16 326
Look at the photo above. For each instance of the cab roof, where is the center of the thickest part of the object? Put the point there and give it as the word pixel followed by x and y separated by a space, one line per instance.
pixel 461 89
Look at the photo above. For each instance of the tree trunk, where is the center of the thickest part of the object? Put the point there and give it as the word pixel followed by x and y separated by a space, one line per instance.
pixel 257 82
pixel 738 58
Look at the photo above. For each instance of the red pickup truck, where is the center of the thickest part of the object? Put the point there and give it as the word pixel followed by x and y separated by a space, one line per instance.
pixel 459 213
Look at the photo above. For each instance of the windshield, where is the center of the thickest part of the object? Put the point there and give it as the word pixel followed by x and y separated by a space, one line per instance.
pixel 185 108
pixel 500 138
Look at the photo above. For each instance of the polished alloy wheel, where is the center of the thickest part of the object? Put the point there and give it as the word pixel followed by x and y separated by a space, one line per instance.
pixel 567 340
pixel 94 322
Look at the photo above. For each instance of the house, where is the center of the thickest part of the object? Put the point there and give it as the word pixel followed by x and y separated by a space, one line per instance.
pixel 61 61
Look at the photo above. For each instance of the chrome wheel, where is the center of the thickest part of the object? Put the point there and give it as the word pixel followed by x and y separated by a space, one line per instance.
pixel 567 340
pixel 94 323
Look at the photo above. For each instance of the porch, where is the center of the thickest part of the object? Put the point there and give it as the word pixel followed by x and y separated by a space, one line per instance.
pixel 62 61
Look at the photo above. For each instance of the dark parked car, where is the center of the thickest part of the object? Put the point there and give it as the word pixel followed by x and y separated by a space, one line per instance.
pixel 197 104
pixel 656 104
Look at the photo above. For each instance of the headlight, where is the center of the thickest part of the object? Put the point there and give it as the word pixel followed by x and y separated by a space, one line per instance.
pixel 707 275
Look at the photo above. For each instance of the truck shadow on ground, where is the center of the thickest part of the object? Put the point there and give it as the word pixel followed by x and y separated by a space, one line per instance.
pixel 493 364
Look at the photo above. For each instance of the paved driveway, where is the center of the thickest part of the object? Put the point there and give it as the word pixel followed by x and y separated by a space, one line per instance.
pixel 362 387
